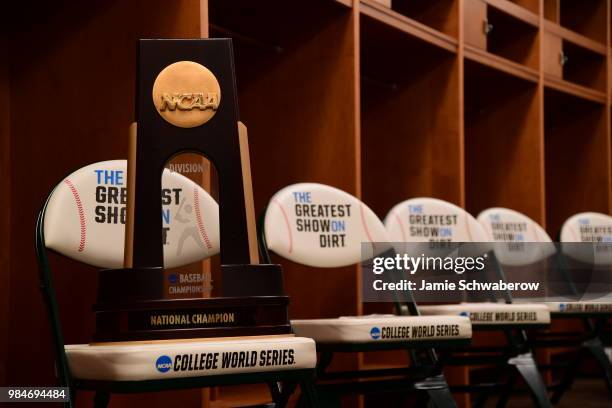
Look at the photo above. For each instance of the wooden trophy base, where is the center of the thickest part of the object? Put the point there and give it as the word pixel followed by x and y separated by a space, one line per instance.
pixel 136 310
pixel 192 318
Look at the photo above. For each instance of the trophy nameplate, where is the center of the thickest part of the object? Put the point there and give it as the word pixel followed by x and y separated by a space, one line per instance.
pixel 186 102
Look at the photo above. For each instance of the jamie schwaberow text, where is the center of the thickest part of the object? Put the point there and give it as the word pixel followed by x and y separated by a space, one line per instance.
pixel 462 285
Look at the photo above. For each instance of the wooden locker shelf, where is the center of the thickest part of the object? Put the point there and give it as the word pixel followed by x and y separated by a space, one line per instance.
pixel 287 94
pixel 511 35
pixel 512 38
pixel 551 10
pixel 586 17
pixel 531 5
pixel 577 149
pixel 409 116
pixel 393 19
pixel 502 161
pixel 574 89
pixel 501 64
pixel 410 138
pixel 574 63
pixel 295 98
pixel 576 38
pixel 441 15
pixel 585 67
pixel 526 11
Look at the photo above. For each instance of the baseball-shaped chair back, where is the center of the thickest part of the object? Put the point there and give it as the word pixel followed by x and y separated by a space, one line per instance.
pixel 425 220
pixel 318 225
pixel 588 227
pixel 85 217
pixel 518 239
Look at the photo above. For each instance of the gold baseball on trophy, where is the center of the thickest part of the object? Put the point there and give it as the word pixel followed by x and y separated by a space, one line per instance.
pixel 186 94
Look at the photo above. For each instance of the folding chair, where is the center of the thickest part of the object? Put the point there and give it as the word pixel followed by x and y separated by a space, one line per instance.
pixel 506 225
pixel 82 219
pixel 594 228
pixel 422 220
pixel 323 227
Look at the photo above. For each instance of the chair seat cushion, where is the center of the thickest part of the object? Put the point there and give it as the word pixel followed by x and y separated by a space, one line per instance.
pixel 494 313
pixel 580 307
pixel 162 360
pixel 383 328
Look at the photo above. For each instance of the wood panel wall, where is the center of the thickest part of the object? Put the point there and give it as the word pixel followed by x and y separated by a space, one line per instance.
pixel 5 205
pixel 72 83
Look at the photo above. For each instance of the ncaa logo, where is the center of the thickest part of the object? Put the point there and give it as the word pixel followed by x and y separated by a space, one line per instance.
pixel 464 314
pixel 163 364
pixel 173 278
pixel 562 307
pixel 375 333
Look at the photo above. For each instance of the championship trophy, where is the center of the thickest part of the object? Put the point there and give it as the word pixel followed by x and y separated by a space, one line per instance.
pixel 186 103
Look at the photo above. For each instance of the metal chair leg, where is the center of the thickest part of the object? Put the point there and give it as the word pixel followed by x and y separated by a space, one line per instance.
pixel 596 348
pixel 71 403
pixel 568 377
pixel 309 393
pixel 276 394
pixel 438 391
pixel 442 398
pixel 481 399
pixel 422 400
pixel 281 392
pixel 505 395
pixel 101 399
pixel 527 368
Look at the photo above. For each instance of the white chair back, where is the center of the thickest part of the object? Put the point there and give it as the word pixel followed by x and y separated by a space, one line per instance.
pixel 588 227
pixel 85 217
pixel 426 220
pixel 518 239
pixel 322 226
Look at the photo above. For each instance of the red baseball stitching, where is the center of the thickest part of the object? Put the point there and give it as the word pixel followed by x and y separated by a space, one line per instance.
pixel 79 204
pixel 535 231
pixel 196 203
pixel 575 234
pixel 365 227
pixel 399 221
pixel 286 223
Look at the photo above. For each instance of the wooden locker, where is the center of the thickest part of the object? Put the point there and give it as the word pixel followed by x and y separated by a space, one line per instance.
pixel 553 55
pixel 475 20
